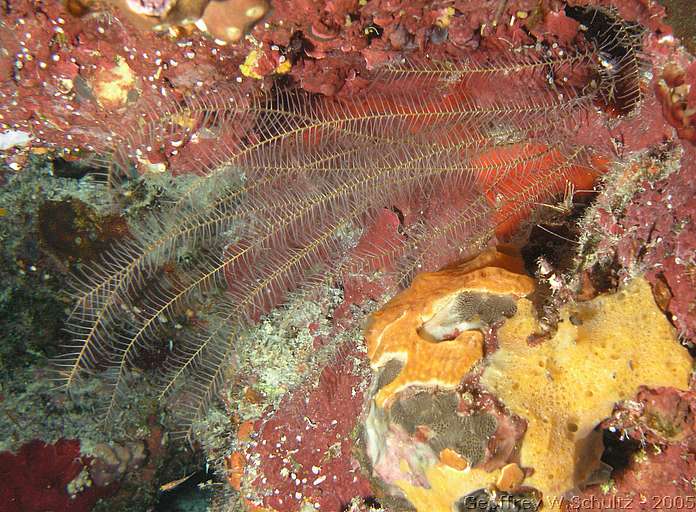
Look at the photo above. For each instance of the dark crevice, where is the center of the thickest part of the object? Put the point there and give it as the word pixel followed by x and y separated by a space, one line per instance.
pixel 618 450
pixel 619 65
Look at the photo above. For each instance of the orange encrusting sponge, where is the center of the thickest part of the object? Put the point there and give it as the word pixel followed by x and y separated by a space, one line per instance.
pixel 562 387
pixel 393 331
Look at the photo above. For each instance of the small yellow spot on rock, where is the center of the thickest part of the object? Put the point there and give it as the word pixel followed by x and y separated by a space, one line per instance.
pixel 283 67
pixel 148 166
pixel 112 85
pixel 444 19
pixel 233 33
pixel 184 119
pixel 248 68
pixel 255 12
pixel 65 85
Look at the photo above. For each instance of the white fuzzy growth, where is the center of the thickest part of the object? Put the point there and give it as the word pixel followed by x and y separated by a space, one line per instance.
pixel 14 138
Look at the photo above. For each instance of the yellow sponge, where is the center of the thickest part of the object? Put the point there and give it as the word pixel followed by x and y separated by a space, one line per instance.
pixel 603 351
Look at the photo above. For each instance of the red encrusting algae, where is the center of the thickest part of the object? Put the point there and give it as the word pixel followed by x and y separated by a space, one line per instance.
pixel 659 470
pixel 304 451
pixel 37 478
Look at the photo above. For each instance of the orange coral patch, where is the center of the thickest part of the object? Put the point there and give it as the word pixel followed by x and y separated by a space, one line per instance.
pixel 453 459
pixel 245 430
pixel 510 478
pixel 393 332
pixel 235 469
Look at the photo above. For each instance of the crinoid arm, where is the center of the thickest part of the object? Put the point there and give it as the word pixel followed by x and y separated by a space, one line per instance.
pixel 283 179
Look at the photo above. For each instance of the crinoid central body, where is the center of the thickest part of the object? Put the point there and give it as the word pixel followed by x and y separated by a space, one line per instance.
pixel 287 181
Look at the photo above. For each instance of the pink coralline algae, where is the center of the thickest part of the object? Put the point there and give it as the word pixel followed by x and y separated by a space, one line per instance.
pixel 76 83
pixel 40 477
pixel 304 452
pixel 72 82
pixel 657 232
pixel 676 90
pixel 656 483
pixel 660 416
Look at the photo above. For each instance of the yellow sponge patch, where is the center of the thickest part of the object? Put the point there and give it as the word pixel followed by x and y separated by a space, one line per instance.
pixel 446 487
pixel 604 350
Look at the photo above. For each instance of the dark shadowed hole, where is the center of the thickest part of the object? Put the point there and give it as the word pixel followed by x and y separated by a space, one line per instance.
pixel 75 169
pixel 186 496
pixel 373 31
pixel 616 40
pixel 691 347
pixel 399 214
pixel 604 277
pixel 298 47
pixel 603 28
pixel 554 233
pixel 618 452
